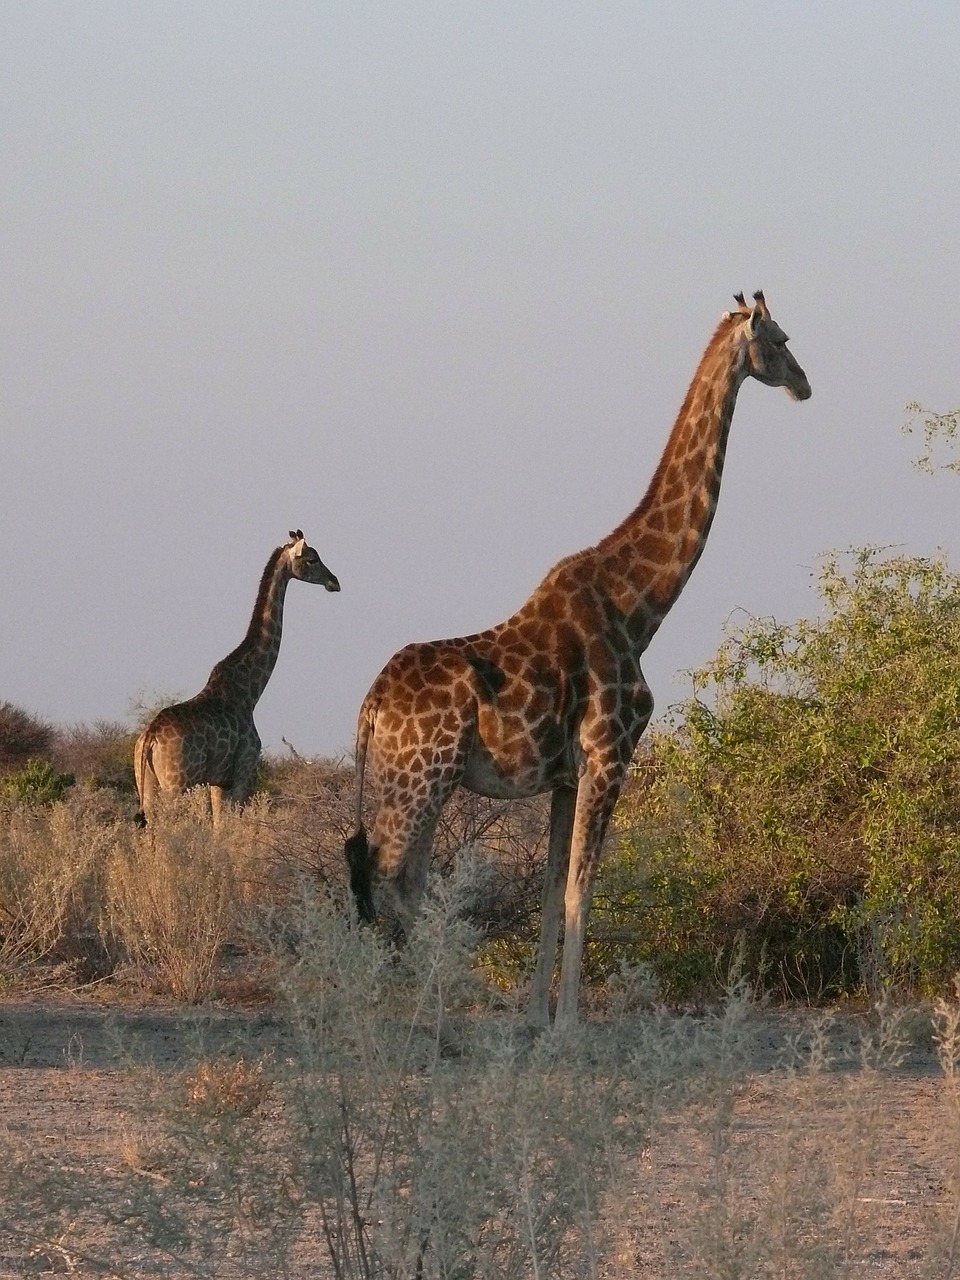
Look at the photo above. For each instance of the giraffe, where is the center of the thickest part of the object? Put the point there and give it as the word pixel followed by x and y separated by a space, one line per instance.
pixel 211 739
pixel 553 699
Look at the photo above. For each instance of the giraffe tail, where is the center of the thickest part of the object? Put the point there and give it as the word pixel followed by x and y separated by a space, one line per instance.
pixel 358 855
pixel 357 849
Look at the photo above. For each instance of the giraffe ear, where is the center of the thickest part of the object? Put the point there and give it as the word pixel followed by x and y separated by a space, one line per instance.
pixel 753 322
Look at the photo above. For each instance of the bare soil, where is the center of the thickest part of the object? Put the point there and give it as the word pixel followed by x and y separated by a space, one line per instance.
pixel 69 1086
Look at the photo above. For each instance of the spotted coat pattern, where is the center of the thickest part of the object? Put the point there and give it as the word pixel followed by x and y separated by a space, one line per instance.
pixel 554 699
pixel 211 739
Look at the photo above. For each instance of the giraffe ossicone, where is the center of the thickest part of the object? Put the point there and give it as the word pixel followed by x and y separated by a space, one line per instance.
pixel 554 699
pixel 211 739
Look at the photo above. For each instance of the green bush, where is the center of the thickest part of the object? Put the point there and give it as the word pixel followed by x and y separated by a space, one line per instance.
pixel 38 782
pixel 804 810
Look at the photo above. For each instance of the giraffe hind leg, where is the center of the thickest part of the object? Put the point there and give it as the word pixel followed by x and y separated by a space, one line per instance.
pixel 402 889
pixel 146 780
pixel 405 887
pixel 395 864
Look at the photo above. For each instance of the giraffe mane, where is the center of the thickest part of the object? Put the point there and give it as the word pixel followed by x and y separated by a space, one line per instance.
pixel 252 629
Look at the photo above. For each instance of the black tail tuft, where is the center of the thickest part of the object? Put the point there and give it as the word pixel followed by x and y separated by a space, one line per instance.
pixel 139 818
pixel 357 852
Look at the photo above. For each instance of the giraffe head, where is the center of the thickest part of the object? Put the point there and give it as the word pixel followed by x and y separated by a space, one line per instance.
pixel 306 565
pixel 766 356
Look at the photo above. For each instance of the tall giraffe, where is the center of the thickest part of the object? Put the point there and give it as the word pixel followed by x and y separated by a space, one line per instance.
pixel 553 699
pixel 211 739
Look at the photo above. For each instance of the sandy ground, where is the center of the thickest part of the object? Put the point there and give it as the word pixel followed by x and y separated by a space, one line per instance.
pixel 67 1089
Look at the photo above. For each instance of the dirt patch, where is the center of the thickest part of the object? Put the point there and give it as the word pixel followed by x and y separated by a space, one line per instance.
pixel 71 1073
pixel 89 1036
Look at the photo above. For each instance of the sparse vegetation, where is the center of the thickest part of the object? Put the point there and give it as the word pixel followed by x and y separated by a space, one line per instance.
pixel 793 832
pixel 360 1150
pixel 940 431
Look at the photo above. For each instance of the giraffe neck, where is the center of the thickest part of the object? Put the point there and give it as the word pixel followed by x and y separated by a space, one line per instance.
pixel 242 675
pixel 646 561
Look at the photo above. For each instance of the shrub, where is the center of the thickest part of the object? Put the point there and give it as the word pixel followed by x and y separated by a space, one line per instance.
pixel 22 737
pixel 653 885
pixel 311 806
pixel 100 754
pixel 808 794
pixel 176 892
pixel 81 886
pixel 38 782
pixel 53 862
pixel 312 814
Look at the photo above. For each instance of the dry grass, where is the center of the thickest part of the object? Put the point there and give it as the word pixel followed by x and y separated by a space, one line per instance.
pixel 359 1147
pixel 176 893
pixel 84 894
pixel 52 866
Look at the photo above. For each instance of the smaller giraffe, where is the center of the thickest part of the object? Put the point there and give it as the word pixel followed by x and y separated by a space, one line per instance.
pixel 211 739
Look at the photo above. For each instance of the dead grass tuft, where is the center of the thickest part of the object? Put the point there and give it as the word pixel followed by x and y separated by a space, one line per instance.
pixel 177 892
pixel 219 1088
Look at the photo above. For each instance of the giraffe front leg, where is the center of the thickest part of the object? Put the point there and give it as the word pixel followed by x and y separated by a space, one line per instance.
pixel 596 799
pixel 223 798
pixel 243 775
pixel 562 808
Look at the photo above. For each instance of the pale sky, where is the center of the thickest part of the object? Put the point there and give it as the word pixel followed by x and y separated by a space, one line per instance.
pixel 429 281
